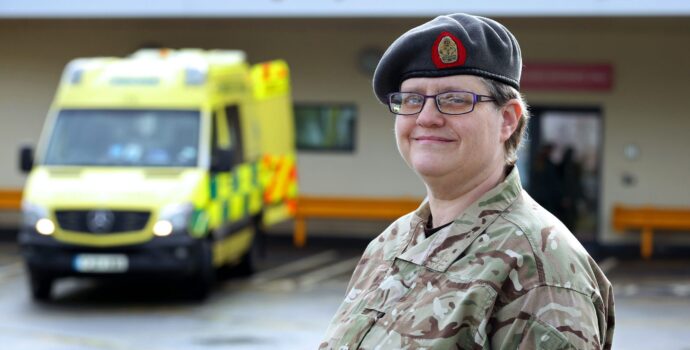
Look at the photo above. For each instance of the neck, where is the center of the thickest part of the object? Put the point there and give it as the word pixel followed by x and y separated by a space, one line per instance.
pixel 448 198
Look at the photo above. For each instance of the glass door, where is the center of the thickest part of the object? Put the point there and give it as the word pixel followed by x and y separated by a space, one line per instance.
pixel 561 166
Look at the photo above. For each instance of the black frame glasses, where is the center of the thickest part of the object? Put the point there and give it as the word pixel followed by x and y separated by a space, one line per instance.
pixel 447 102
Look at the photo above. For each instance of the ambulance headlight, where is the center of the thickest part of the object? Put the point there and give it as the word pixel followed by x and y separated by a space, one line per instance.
pixel 173 219
pixel 162 228
pixel 35 217
pixel 45 227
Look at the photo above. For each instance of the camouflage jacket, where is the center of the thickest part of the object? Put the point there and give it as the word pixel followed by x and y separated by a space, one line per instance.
pixel 505 275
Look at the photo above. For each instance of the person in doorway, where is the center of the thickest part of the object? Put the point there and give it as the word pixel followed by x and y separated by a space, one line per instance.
pixel 570 173
pixel 479 265
pixel 548 189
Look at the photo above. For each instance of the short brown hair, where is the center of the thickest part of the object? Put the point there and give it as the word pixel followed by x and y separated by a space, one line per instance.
pixel 503 93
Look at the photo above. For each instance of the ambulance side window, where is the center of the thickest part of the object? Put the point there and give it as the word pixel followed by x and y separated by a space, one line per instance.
pixel 222 158
pixel 217 140
pixel 214 132
pixel 232 116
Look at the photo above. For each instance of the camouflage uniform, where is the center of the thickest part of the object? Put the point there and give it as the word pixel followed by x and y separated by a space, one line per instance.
pixel 505 275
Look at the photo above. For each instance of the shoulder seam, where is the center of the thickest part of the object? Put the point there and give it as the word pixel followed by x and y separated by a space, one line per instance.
pixel 537 259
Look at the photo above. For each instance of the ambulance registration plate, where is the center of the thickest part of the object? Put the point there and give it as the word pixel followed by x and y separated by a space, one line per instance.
pixel 101 263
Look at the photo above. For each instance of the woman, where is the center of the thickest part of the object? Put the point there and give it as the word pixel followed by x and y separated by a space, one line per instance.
pixel 479 265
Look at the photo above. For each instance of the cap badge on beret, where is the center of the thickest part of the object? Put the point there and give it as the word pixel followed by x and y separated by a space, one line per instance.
pixel 448 51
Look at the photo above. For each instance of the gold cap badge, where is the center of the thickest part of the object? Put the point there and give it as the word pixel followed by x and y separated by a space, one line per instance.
pixel 447 50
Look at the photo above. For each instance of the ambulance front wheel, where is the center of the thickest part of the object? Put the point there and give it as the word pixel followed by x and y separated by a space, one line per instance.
pixel 41 285
pixel 203 281
pixel 247 265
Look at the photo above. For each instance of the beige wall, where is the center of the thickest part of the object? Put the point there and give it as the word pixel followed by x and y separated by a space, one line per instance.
pixel 646 107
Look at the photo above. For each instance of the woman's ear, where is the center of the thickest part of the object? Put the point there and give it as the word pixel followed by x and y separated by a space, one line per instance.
pixel 511 113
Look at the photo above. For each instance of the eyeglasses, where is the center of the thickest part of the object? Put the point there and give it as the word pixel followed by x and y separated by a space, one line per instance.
pixel 449 102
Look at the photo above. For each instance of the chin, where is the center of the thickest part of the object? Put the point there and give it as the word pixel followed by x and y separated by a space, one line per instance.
pixel 430 168
pixel 431 174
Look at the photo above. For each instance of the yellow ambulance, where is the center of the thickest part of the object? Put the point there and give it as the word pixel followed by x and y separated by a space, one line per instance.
pixel 163 163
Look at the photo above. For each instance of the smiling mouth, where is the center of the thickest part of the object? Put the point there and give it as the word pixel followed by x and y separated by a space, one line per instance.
pixel 431 139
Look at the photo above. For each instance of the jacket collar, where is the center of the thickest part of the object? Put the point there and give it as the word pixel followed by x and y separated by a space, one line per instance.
pixel 439 251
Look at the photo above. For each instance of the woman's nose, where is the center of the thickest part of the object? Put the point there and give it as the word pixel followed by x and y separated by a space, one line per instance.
pixel 430 116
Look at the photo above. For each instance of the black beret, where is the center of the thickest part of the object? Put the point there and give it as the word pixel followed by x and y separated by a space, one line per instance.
pixel 453 44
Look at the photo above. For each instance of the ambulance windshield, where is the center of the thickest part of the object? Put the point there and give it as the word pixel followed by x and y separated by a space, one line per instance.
pixel 161 138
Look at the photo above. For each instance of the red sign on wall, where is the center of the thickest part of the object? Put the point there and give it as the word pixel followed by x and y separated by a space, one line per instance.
pixel 564 77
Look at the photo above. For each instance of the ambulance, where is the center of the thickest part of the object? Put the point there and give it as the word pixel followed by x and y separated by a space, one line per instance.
pixel 163 163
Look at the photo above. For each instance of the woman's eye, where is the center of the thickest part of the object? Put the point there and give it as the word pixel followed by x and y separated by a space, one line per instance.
pixel 455 100
pixel 413 100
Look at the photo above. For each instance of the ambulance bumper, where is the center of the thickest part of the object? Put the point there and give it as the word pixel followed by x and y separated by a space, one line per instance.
pixel 175 256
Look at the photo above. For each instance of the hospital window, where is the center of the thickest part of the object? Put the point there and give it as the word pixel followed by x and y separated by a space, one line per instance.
pixel 325 127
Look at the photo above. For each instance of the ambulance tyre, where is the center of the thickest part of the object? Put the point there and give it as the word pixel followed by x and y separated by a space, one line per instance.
pixel 247 265
pixel 203 281
pixel 41 285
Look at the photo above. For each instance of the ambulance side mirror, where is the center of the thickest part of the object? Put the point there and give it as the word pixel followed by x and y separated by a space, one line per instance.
pixel 26 158
pixel 221 160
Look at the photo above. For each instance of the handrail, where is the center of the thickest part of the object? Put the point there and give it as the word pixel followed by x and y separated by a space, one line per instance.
pixel 363 208
pixel 10 199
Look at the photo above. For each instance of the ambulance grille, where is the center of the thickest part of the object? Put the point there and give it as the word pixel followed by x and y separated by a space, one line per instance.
pixel 102 221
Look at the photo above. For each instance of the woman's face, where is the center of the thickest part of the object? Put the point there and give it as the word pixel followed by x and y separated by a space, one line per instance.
pixel 461 146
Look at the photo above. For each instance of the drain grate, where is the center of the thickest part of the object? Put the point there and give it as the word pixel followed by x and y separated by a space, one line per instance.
pixel 231 340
